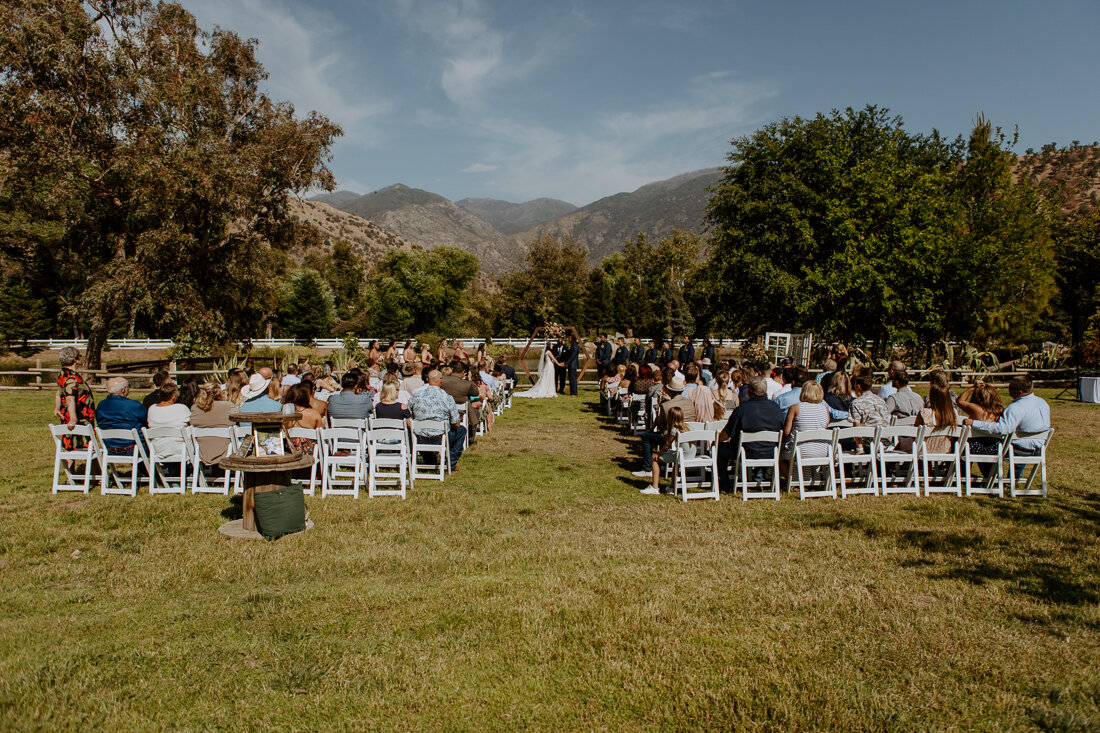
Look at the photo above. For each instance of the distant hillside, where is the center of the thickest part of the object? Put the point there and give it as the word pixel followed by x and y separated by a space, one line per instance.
pixel 430 221
pixel 509 218
pixel 368 239
pixel 605 226
pixel 1075 169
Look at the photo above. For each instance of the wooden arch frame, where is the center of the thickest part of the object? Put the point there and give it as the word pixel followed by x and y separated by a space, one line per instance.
pixel 545 329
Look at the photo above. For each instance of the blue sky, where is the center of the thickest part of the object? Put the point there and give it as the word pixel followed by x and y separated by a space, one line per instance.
pixel 579 100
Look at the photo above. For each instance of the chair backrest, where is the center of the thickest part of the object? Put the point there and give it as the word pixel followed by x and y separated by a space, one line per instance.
pixel 716 425
pixel 386 422
pixel 903 421
pixel 426 425
pixel 867 432
pixel 337 439
pixel 347 422
pixel 889 432
pixel 694 425
pixel 1042 435
pixel 463 407
pixel 60 430
pixel 695 436
pixel 387 438
pixel 181 434
pixel 771 437
pixel 814 436
pixel 311 433
pixel 212 433
pixel 128 435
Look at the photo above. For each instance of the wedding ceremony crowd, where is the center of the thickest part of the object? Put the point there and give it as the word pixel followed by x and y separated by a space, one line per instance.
pixel 660 394
pixel 456 392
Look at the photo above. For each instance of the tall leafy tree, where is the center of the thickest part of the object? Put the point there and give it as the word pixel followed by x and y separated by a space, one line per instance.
pixel 307 307
pixel 413 292
pixel 143 170
pixel 550 287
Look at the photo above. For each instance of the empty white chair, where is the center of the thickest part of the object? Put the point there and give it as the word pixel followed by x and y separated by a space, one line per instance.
pixel 85 453
pixel 847 459
pixel 800 463
pixel 993 482
pixel 509 388
pixel 310 484
pixel 464 419
pixel 1038 463
pixel 950 460
pixel 110 480
pixel 703 458
pixel 388 461
pixel 637 413
pixel 892 456
pixel 199 482
pixel 427 469
pixel 343 459
pixel 765 488
pixel 716 426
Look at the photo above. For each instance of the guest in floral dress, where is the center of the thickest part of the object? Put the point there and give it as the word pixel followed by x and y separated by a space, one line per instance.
pixel 74 403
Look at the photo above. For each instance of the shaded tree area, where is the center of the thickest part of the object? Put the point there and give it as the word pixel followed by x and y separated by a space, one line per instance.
pixel 144 172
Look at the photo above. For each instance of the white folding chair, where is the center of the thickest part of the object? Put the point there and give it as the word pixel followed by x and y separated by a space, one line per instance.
pixel 438 470
pixel 310 484
pixel 509 388
pixel 622 410
pixel 388 461
pixel 800 463
pixel 342 449
pixel 890 455
pixel 950 460
pixel 199 482
pixel 110 480
pixel 348 422
pixel 86 454
pixel 392 423
pixel 1038 462
pixel 865 462
pixel 715 426
pixel 178 455
pixel 910 421
pixel 464 419
pixel 765 488
pixel 994 475
pixel 705 460
pixel 637 413
pixel 695 425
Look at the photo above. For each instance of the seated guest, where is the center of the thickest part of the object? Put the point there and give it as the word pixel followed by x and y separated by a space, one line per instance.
pixel 485 393
pixel 674 425
pixel 256 393
pixel 350 402
pixel 776 383
pixel 118 412
pixel 809 413
pixel 655 395
pixel 460 388
pixel 389 405
pixel 432 403
pixel 298 395
pixel 211 409
pixel 188 388
pixel 867 408
pixel 674 389
pixel 793 376
pixel 234 380
pixel 940 413
pixel 412 380
pixel 644 381
pixel 888 389
pixel 725 393
pixel 705 375
pixel 691 378
pixel 838 395
pixel 402 395
pixel 168 414
pixel 1027 413
pixel 981 402
pixel 903 402
pixel 505 367
pixel 159 377
pixel 827 368
pixel 940 378
pixel 483 370
pixel 755 414
pixel 291 377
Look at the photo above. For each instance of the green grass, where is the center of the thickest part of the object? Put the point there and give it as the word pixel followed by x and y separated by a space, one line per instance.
pixel 538 589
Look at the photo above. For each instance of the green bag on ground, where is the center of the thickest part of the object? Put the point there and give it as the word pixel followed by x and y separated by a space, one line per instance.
pixel 280 512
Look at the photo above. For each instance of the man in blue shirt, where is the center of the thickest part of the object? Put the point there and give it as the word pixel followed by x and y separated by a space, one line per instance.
pixel 637 351
pixel 431 403
pixel 118 412
pixel 798 376
pixel 756 414
pixel 652 355
pixel 1027 413
pixel 349 404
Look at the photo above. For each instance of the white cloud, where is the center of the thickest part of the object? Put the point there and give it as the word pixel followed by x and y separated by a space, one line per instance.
pixel 304 63
pixel 480 168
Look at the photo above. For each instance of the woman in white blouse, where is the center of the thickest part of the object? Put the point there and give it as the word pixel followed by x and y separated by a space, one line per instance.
pixel 168 414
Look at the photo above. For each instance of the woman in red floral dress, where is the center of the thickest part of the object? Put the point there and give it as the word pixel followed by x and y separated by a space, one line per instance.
pixel 74 403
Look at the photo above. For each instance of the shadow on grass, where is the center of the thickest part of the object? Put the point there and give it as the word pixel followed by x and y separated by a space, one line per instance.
pixel 235 510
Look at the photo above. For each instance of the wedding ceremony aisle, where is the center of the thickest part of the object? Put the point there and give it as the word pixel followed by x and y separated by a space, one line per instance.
pixel 536 588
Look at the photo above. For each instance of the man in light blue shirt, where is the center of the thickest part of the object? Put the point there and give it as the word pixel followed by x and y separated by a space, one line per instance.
pixel 1027 413
pixel 889 389
pixel 799 376
pixel 255 395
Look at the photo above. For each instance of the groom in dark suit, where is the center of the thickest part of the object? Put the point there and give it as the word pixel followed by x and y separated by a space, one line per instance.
pixel 572 363
pixel 557 351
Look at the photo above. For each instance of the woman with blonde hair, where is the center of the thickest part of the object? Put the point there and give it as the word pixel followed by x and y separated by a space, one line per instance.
pixel 211 409
pixel 809 413
pixel 839 395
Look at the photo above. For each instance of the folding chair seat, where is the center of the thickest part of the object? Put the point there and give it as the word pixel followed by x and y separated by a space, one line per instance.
pixel 310 484
pixel 889 455
pixel 179 456
pixel 800 463
pixel 110 480
pixel 950 460
pixel 857 462
pixel 765 488
pixel 343 459
pixel 428 470
pixel 388 461
pixel 1038 462
pixel 199 482
pixel 994 475
pixel 705 461
pixel 87 453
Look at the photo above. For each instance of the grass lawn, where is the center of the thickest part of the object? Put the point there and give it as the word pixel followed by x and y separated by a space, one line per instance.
pixel 538 589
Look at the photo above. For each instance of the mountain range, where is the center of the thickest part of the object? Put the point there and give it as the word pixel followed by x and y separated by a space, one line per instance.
pixel 497 231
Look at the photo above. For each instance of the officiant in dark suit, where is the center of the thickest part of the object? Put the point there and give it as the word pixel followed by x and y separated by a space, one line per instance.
pixel 571 359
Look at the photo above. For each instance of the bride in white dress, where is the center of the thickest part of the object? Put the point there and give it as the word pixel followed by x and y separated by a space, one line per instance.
pixel 544 385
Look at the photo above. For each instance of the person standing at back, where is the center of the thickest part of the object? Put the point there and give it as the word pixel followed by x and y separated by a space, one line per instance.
pixel 603 356
pixel 637 352
pixel 571 360
pixel 687 352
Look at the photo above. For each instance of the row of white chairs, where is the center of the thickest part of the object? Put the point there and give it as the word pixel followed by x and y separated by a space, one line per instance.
pixel 376 452
pixel 897 459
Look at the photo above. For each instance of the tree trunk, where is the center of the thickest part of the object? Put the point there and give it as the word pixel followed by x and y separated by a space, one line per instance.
pixel 97 339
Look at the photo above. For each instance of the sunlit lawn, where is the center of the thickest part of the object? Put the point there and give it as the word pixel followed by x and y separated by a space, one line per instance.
pixel 538 589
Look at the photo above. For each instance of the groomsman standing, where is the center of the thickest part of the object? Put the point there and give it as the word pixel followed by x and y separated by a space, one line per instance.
pixel 603 356
pixel 621 353
pixel 652 354
pixel 666 353
pixel 687 352
pixel 637 351
pixel 708 351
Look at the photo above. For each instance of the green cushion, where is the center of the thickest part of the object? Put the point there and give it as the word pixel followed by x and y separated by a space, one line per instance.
pixel 280 512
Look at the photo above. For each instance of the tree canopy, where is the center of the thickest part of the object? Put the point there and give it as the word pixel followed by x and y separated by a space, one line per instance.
pixel 144 172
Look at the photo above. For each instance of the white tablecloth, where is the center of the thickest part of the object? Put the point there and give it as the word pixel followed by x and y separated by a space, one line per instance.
pixel 1090 389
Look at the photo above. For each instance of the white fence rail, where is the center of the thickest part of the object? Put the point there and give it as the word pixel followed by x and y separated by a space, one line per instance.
pixel 329 343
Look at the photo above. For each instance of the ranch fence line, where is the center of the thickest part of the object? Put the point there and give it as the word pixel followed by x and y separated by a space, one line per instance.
pixel 327 343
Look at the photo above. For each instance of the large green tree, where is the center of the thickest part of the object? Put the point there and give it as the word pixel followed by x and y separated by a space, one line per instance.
pixel 550 287
pixel 307 307
pixel 143 171
pixel 851 227
pixel 413 292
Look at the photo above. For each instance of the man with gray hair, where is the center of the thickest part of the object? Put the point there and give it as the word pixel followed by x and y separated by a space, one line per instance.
pixel 755 414
pixel 888 389
pixel 118 412
pixel 430 402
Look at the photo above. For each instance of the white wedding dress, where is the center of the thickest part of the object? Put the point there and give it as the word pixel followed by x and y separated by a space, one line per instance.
pixel 544 385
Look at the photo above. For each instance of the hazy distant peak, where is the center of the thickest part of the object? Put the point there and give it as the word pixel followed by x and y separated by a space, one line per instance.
pixel 510 218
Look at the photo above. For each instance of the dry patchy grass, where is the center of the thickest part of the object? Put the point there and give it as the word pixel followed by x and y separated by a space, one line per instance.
pixel 538 589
